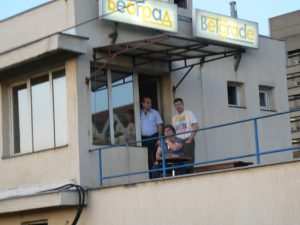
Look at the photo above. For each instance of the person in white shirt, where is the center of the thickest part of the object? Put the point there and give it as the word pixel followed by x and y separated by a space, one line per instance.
pixel 185 121
pixel 151 126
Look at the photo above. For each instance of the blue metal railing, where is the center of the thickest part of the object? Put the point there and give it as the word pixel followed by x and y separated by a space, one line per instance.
pixel 258 152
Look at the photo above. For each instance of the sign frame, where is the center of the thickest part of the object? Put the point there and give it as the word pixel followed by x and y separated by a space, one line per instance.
pixel 225 29
pixel 152 14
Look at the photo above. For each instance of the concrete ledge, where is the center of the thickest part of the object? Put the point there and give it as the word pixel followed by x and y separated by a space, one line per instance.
pixel 53 44
pixel 38 201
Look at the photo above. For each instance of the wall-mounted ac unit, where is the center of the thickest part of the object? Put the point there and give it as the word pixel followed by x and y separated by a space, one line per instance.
pixel 293 129
pixel 295 83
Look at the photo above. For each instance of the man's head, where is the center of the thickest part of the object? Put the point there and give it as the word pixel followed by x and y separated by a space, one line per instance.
pixel 169 130
pixel 130 115
pixel 179 105
pixel 146 103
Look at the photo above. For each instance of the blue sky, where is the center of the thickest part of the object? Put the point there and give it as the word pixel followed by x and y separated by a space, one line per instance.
pixel 253 10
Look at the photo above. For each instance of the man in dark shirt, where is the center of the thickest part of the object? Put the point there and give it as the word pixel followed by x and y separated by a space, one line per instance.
pixel 173 146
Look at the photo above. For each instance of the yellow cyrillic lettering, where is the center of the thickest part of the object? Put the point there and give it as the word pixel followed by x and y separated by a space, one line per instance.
pixel 166 20
pixel 147 12
pixel 131 8
pixel 111 5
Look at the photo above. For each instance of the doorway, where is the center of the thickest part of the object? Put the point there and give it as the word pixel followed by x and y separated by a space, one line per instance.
pixel 149 86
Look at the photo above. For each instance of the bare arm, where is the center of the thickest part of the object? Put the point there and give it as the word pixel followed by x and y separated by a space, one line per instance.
pixel 174 147
pixel 160 129
pixel 195 126
pixel 158 153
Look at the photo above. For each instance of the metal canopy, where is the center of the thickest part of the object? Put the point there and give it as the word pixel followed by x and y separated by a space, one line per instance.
pixel 165 48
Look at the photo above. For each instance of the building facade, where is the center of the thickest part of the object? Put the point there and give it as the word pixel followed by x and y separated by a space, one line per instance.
pixel 72 81
pixel 286 27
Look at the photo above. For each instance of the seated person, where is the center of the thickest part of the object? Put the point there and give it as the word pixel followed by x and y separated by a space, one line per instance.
pixel 130 129
pixel 173 146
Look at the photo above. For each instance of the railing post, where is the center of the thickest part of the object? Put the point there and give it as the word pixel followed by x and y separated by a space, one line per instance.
pixel 162 144
pixel 256 142
pixel 100 166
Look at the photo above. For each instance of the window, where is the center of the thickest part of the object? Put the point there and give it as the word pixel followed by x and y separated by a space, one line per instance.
pixel 296 142
pixel 40 113
pixel 293 59
pixel 294 101
pixel 294 82
pixel 235 93
pixel 265 97
pixel 295 123
pixel 296 154
pixel 113 108
pixel 181 3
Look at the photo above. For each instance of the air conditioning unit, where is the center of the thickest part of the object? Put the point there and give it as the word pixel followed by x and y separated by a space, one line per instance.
pixel 296 60
pixel 294 129
pixel 295 83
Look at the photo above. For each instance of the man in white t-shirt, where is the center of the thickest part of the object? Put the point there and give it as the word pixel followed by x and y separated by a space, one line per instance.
pixel 185 121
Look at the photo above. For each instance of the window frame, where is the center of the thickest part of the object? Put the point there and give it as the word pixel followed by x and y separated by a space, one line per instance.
pixel 12 115
pixel 239 94
pixel 268 97
pixel 236 95
pixel 293 59
pixel 136 101
pixel 27 81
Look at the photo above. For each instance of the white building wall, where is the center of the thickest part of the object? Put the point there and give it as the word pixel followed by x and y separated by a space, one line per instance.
pixel 40 22
pixel 205 93
pixel 263 195
pixel 52 166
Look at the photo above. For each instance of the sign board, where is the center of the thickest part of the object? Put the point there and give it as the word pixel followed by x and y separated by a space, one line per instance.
pixel 146 13
pixel 225 29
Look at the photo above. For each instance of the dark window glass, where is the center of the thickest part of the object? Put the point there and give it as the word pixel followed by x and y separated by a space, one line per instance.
pixel 22 126
pixel 265 97
pixel 262 99
pixel 181 3
pixel 232 95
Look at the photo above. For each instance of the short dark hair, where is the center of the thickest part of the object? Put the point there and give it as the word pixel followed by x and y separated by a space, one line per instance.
pixel 170 127
pixel 143 99
pixel 178 100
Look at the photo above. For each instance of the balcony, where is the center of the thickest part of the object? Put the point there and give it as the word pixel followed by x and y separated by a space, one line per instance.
pixel 127 163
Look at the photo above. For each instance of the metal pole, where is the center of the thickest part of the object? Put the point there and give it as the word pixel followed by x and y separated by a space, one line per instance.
pixel 233 10
pixel 256 142
pixel 162 144
pixel 100 166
